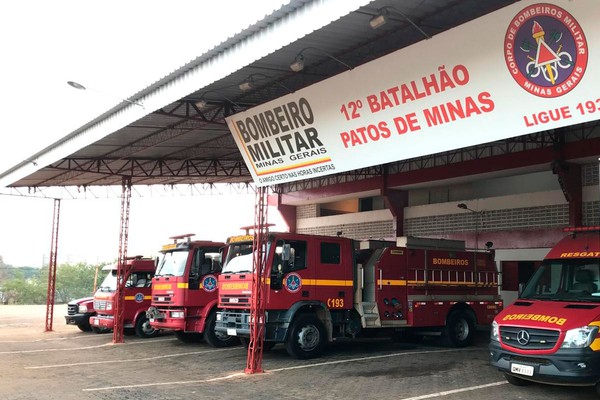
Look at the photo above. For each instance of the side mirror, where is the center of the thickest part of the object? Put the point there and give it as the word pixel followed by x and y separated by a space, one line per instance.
pixel 285 252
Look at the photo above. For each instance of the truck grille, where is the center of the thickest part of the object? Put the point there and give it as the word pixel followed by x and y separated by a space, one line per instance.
pixel 242 299
pixel 162 299
pixel 531 339
pixel 99 305
pixel 72 309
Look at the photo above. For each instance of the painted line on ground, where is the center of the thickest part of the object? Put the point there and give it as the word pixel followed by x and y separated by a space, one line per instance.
pixel 454 391
pixel 54 339
pixel 241 374
pixel 83 348
pixel 130 360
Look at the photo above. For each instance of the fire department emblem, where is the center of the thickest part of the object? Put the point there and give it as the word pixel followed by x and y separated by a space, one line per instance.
pixel 209 283
pixel 293 282
pixel 546 51
pixel 139 297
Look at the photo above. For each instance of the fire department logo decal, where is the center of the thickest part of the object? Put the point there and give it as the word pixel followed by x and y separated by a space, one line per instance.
pixel 139 297
pixel 293 282
pixel 209 283
pixel 545 50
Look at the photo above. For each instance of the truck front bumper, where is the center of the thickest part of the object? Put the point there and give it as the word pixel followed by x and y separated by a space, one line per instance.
pixel 102 322
pixel 237 323
pixel 565 367
pixel 78 319
pixel 160 319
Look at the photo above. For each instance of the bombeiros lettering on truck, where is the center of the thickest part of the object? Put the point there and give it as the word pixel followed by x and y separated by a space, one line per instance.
pixel 321 289
pixel 550 334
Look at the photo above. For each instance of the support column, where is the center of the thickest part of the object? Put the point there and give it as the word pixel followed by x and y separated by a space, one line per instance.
pixel 288 213
pixel 258 297
pixel 52 267
pixel 396 201
pixel 569 178
pixel 122 261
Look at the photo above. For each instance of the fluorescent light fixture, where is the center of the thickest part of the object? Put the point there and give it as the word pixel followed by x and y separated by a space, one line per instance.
pixel 378 20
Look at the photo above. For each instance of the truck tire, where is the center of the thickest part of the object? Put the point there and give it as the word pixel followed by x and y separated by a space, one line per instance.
pixel 513 380
pixel 459 329
pixel 85 326
pixel 217 339
pixel 143 328
pixel 306 339
pixel 188 337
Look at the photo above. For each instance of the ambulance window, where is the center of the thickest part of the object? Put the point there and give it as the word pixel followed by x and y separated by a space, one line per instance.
pixel 330 253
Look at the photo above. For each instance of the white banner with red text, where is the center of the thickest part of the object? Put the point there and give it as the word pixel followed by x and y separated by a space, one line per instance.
pixel 522 69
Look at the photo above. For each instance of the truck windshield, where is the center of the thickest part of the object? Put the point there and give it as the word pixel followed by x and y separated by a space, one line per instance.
pixel 109 284
pixel 172 264
pixel 239 258
pixel 565 280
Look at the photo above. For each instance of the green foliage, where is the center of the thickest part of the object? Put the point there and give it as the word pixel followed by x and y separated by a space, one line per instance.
pixel 30 285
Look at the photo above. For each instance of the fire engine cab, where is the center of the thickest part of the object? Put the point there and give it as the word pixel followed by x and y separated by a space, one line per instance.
pixel 550 334
pixel 138 279
pixel 184 290
pixel 324 288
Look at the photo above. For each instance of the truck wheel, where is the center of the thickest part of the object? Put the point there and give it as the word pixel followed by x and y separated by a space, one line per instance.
pixel 214 338
pixel 143 328
pixel 188 337
pixel 267 346
pixel 306 338
pixel 95 329
pixel 85 327
pixel 459 329
pixel 513 380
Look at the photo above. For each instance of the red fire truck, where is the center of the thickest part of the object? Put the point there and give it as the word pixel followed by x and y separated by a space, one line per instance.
pixel 136 295
pixel 550 334
pixel 324 288
pixel 184 290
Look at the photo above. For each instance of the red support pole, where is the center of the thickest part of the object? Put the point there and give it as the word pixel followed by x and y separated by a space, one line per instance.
pixel 122 262
pixel 52 267
pixel 258 298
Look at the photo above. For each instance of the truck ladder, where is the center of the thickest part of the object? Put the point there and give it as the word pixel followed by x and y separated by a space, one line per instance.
pixel 369 314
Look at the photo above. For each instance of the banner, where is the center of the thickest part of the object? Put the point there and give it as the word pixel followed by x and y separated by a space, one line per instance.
pixel 522 69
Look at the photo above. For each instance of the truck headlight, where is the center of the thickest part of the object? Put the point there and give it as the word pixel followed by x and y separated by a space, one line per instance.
pixel 176 314
pixel 495 332
pixel 219 316
pixel 108 306
pixel 580 337
pixel 83 309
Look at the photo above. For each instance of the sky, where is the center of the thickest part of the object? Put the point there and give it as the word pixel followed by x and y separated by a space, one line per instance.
pixel 115 48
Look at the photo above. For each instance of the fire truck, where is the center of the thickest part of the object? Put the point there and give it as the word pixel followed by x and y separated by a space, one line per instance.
pixel 322 288
pixel 550 333
pixel 136 295
pixel 184 290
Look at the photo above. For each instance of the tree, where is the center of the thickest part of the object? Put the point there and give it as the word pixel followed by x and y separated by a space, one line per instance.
pixel 74 281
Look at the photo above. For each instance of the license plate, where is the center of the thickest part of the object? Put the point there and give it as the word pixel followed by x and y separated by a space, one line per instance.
pixel 160 299
pixel 96 322
pixel 231 331
pixel 234 300
pixel 521 369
